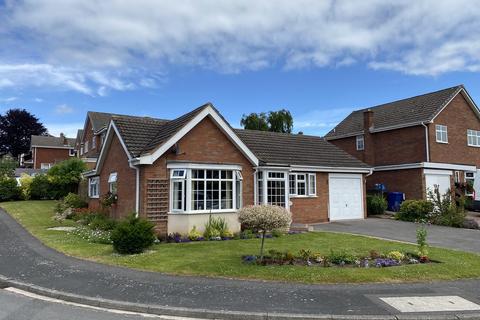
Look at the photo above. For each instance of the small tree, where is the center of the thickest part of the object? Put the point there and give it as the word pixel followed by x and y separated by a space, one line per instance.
pixel 264 218
pixel 422 241
pixel 66 175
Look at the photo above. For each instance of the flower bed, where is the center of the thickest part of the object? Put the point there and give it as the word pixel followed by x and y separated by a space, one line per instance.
pixel 338 259
pixel 246 234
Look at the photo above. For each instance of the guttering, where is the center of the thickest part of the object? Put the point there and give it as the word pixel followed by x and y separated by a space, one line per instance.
pixel 398 126
pixel 315 168
pixel 426 165
pixel 137 188
pixel 427 141
pixel 346 135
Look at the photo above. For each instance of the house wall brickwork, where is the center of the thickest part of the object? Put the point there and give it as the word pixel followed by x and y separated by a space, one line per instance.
pixel 49 155
pixel 458 116
pixel 312 209
pixel 87 136
pixel 116 160
pixel 409 181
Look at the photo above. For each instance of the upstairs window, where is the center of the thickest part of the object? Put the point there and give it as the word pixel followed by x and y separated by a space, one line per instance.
pixel 473 138
pixel 112 183
pixel 441 133
pixel 360 143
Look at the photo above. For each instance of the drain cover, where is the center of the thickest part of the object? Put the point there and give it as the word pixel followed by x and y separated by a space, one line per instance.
pixel 430 303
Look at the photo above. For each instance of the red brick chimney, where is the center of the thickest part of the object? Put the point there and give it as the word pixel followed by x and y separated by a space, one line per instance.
pixel 64 139
pixel 368 119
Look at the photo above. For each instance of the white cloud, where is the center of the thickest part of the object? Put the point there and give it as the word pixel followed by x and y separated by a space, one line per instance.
pixel 9 99
pixel 69 129
pixel 63 109
pixel 115 45
pixel 320 121
pixel 38 100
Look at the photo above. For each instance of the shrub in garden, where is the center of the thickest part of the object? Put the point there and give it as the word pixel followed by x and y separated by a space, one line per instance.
pixel 422 244
pixel 396 255
pixel 216 228
pixel 376 205
pixel 41 188
pixel 264 218
pixel 66 175
pixel 133 235
pixel 341 257
pixel 73 200
pixel 101 222
pixel 415 210
pixel 25 183
pixel 194 235
pixel 445 210
pixel 9 189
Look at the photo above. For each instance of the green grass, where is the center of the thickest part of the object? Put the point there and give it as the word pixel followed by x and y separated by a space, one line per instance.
pixel 223 259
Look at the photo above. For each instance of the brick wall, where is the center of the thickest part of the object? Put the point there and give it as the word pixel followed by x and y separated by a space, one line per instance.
pixel 458 117
pixel 49 155
pixel 312 210
pixel 409 181
pixel 116 160
pixel 204 143
pixel 87 136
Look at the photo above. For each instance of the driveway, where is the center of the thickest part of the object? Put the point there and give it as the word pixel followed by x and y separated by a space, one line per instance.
pixel 438 236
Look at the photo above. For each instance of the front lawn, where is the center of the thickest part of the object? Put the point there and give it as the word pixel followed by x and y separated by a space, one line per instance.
pixel 223 258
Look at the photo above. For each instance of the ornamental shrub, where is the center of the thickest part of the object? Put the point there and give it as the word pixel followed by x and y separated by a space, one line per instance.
pixel 194 234
pixel 9 189
pixel 445 210
pixel 25 183
pixel 133 235
pixel 41 188
pixel 264 218
pixel 376 204
pixel 216 227
pixel 415 210
pixel 422 241
pixel 73 200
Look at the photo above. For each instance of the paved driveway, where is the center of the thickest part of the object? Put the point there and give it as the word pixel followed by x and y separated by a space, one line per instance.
pixel 453 238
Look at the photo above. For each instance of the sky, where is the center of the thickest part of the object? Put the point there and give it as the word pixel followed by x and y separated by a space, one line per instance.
pixel 318 59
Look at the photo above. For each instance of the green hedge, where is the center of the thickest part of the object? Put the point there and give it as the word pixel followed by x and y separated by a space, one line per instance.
pixel 415 210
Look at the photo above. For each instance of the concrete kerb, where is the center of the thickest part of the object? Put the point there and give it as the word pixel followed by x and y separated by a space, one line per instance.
pixel 212 314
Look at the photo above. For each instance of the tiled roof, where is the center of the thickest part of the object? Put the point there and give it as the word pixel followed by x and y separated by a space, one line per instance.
pixel 50 141
pixel 296 149
pixel 99 120
pixel 416 109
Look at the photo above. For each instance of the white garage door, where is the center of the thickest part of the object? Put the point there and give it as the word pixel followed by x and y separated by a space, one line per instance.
pixel 346 196
pixel 437 179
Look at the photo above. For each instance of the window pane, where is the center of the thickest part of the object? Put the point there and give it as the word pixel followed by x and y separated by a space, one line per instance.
pixel 292 183
pixel 312 184
pixel 276 193
pixel 213 195
pixel 260 188
pixel 226 195
pixel 198 195
pixel 238 199
pixel 177 195
pixel 301 191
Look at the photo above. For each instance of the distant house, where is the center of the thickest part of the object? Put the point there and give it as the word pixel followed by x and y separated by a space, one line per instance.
pixel 48 150
pixel 426 142
pixel 179 172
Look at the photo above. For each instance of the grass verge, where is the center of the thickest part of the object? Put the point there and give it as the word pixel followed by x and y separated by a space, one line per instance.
pixel 223 258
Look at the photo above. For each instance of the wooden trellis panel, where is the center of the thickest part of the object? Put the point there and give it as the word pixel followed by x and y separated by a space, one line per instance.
pixel 157 199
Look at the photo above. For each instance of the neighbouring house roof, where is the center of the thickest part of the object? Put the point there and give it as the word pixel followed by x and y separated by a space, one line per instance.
pixel 99 120
pixel 405 112
pixel 142 136
pixel 296 149
pixel 52 142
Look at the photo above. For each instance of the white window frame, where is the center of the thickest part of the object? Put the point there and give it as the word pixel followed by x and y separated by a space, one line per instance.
pixel 71 152
pixel 466 177
pixel 182 198
pixel 456 177
pixel 94 142
pixel 185 175
pixel 81 150
pixel 85 148
pixel 94 181
pixel 473 138
pixel 441 130
pixel 306 181
pixel 360 142
pixel 45 165
pixel 113 180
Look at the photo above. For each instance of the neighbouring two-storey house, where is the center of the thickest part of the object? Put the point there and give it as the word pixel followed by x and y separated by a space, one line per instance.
pixel 46 151
pixel 179 172
pixel 416 144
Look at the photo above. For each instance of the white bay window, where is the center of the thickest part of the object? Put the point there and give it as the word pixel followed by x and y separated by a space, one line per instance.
pixel 198 190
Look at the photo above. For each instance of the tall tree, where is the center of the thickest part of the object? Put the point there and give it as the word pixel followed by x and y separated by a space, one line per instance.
pixel 280 121
pixel 16 128
pixel 275 121
pixel 255 121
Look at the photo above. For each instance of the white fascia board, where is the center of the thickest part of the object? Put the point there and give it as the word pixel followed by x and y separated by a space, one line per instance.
pixel 469 101
pixel 330 169
pixel 208 111
pixel 90 173
pixel 51 147
pixel 399 126
pixel 428 165
pixel 211 166
pixel 438 172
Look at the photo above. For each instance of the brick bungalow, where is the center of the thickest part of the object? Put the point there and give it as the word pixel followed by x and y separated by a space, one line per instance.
pixel 416 144
pixel 48 150
pixel 178 172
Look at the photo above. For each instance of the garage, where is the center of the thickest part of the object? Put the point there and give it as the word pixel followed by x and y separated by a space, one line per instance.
pixel 437 179
pixel 345 196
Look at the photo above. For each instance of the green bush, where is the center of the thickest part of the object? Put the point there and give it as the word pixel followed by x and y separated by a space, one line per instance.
pixel 73 200
pixel 216 227
pixel 415 210
pixel 194 234
pixel 9 189
pixel 132 235
pixel 102 222
pixel 341 257
pixel 445 210
pixel 376 204
pixel 41 188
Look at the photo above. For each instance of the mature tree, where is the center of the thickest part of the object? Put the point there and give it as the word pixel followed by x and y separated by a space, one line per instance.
pixel 66 175
pixel 255 121
pixel 275 121
pixel 16 128
pixel 280 121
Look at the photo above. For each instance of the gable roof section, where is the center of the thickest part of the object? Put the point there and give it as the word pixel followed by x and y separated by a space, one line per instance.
pixel 274 148
pixel 402 113
pixel 51 142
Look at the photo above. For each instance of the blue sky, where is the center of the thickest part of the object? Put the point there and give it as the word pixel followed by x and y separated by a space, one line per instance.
pixel 318 59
